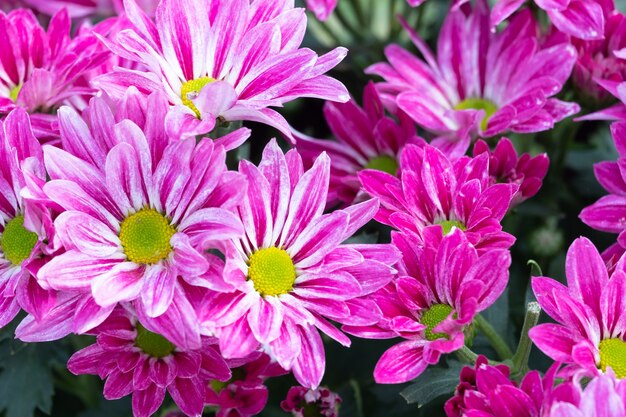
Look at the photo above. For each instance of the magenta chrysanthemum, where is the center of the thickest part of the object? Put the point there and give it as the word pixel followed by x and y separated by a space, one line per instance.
pixel 481 83
pixel 434 192
pixel 366 138
pixel 136 361
pixel 231 60
pixel 590 333
pixel 440 289
pixel 290 270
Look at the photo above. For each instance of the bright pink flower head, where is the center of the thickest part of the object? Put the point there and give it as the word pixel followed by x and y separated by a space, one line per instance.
pixel 505 166
pixel 481 83
pixel 433 192
pixel 590 313
pixel 139 214
pixel 290 270
pixel 608 213
pixel 303 402
pixel 366 138
pixel 40 71
pixel 136 361
pixel 441 287
pixel 582 19
pixel 231 60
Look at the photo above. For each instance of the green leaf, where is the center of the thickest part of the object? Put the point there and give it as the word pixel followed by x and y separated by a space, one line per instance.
pixel 433 383
pixel 118 408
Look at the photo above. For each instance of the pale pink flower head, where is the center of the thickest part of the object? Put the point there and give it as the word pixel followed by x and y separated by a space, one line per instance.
pixel 290 271
pixel 481 83
pixel 229 60
pixel 139 214
pixel 440 289
pixel 40 71
pixel 589 335
pixel 434 192
pixel 506 166
pixel 303 402
pixel 137 361
pixel 582 19
pixel 366 138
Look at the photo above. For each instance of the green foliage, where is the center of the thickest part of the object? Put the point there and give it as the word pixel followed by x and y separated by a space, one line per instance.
pixel 433 383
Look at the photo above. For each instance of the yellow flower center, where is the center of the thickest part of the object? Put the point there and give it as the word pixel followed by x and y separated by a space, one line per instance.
pixel 153 344
pixel 383 163
pixel 447 226
pixel 191 89
pixel 432 317
pixel 17 242
pixel 146 236
pixel 272 271
pixel 479 104
pixel 613 354
pixel 14 92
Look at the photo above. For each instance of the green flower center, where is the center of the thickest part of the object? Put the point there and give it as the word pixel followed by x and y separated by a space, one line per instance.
pixel 153 344
pixel 15 91
pixel 194 86
pixel 17 242
pixel 146 236
pixel 432 317
pixel 272 271
pixel 447 226
pixel 613 354
pixel 383 163
pixel 479 104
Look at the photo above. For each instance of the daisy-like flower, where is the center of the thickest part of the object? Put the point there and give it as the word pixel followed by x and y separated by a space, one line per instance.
pixel 432 192
pixel 303 402
pixel 43 70
pixel 366 138
pixel 506 166
pixel 136 361
pixel 290 271
pixel 481 83
pixel 440 289
pixel 230 61
pixel 139 214
pixel 590 330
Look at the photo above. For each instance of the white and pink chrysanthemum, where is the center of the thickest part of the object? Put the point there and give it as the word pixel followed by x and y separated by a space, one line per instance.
pixel 136 361
pixel 290 271
pixel 228 60
pixel 40 71
pixel 366 139
pixel 440 289
pixel 481 83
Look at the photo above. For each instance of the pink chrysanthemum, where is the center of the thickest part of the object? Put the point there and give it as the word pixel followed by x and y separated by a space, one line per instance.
pixel 434 192
pixel 366 138
pixel 303 402
pixel 481 83
pixel 290 270
pixel 505 166
pixel 582 19
pixel 590 333
pixel 228 60
pixel 441 288
pixel 40 71
pixel 139 214
pixel 137 361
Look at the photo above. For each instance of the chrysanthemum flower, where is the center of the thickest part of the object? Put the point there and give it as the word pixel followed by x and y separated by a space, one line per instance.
pixel 229 60
pixel 480 83
pixel 290 270
pixel 582 19
pixel 139 214
pixel 590 333
pixel 136 361
pixel 434 192
pixel 505 166
pixel 366 138
pixel 25 226
pixel 441 288
pixel 303 402
pixel 43 70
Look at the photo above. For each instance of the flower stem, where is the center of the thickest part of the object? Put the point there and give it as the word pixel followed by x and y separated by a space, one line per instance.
pixel 520 359
pixel 466 355
pixel 497 342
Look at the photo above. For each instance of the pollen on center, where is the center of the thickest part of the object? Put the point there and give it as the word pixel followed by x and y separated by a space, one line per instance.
pixel 190 90
pixel 145 236
pixel 272 271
